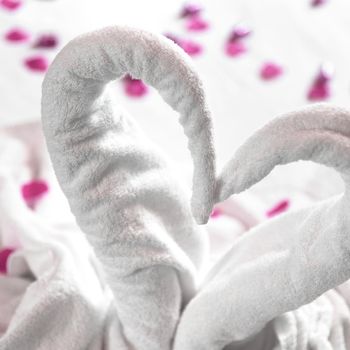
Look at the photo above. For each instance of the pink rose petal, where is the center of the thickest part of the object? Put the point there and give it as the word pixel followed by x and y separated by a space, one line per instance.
pixel 11 5
pixel 270 71
pixel 17 35
pixel 4 256
pixel 236 48
pixel 172 37
pixel 319 92
pixel 279 208
pixel 46 41
pixel 134 87
pixel 325 74
pixel 197 24
pixel 191 47
pixel 316 3
pixel 34 190
pixel 239 32
pixel 37 63
pixel 320 88
pixel 190 10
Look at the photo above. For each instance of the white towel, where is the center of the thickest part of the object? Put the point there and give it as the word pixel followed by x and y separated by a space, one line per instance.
pixel 286 262
pixel 265 293
pixel 120 188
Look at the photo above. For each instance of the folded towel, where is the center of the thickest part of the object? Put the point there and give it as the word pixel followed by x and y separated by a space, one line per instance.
pixel 137 216
pixel 52 295
pixel 119 186
pixel 289 261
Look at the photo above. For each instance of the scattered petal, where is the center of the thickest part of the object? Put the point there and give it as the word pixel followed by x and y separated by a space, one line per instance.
pixel 134 87
pixel 325 74
pixel 4 256
pixel 172 37
pixel 37 63
pixel 46 41
pixel 319 92
pixel 320 88
pixel 190 10
pixel 196 23
pixel 190 47
pixel 270 71
pixel 11 5
pixel 279 208
pixel 235 48
pixel 34 190
pixel 317 3
pixel 17 35
pixel 216 213
pixel 239 32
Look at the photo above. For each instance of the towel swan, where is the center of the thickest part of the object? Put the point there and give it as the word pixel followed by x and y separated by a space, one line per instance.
pixel 119 186
pixel 139 222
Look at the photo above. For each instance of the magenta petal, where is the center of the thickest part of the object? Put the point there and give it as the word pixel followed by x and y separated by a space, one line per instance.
pixel 197 24
pixel 46 41
pixel 239 32
pixel 270 71
pixel 17 35
pixel 319 92
pixel 4 255
pixel 190 10
pixel 37 63
pixel 235 48
pixel 325 74
pixel 34 190
pixel 11 4
pixel 279 208
pixel 320 88
pixel 316 3
pixel 134 87
pixel 172 37
pixel 191 47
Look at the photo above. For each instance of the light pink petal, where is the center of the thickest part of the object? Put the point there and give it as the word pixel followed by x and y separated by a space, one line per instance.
pixel 279 208
pixel 11 5
pixel 172 37
pixel 46 41
pixel 235 48
pixel 4 256
pixel 134 87
pixel 270 71
pixel 239 32
pixel 191 47
pixel 320 88
pixel 317 3
pixel 197 23
pixel 190 10
pixel 34 190
pixel 17 35
pixel 37 63
pixel 325 74
pixel 319 92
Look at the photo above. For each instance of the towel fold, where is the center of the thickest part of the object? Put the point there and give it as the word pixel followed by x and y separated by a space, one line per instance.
pixel 286 262
pixel 119 186
pixel 122 278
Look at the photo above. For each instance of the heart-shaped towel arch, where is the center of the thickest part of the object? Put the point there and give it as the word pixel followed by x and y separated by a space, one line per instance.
pixel 119 187
pixel 286 262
